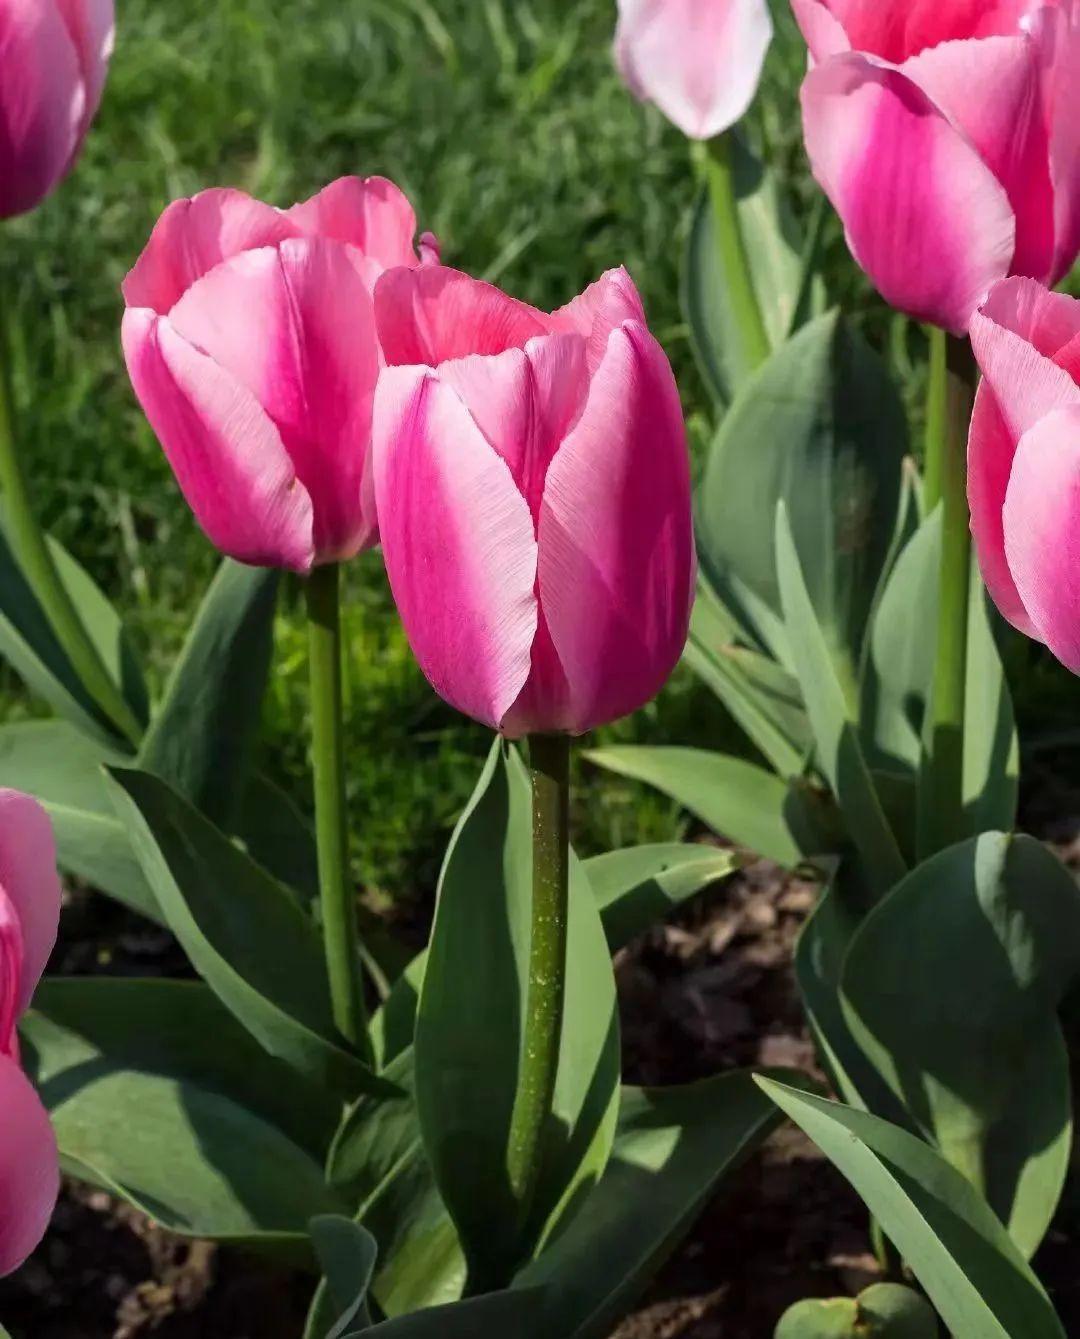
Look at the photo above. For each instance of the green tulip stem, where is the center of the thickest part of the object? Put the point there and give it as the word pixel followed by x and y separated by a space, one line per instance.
pixel 339 915
pixel 549 770
pixel 31 551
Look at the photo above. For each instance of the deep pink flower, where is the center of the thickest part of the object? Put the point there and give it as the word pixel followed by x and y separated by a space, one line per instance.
pixel 29 914
pixel 945 133
pixel 700 61
pixel 53 58
pixel 534 498
pixel 250 340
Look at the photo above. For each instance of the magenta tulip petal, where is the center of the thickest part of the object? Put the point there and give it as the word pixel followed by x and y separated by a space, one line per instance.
pixel 1049 321
pixel 1058 30
pixel 898 29
pixel 30 883
pixel 1042 531
pixel 371 214
pixel 459 544
pixel 29 1167
pixel 192 237
pixel 295 325
pixel 433 314
pixel 616 566
pixel 699 60
pixel 822 30
pixel 602 308
pixel 90 24
pixel 924 215
pixel 227 455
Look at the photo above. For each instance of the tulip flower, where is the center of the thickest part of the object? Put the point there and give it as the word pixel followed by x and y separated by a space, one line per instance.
pixel 250 340
pixel 944 132
pixel 533 488
pixel 53 58
pixel 29 913
pixel 1024 461
pixel 700 61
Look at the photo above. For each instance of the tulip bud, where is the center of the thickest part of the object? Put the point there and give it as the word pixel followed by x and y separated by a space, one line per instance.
pixel 533 487
pixel 700 61
pixel 53 59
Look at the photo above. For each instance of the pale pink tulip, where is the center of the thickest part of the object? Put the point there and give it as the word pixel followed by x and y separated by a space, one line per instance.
pixel 250 340
pixel 29 913
pixel 533 487
pixel 53 59
pixel 1024 461
pixel 700 61
pixel 945 133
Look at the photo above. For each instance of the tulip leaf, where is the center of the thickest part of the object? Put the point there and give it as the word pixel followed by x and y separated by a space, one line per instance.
pixel 471 1022
pixel 672 1148
pixel 201 738
pixel 991 746
pixel 958 1250
pixel 277 835
pixel 951 986
pixel 347 1254
pixel 490 1317
pixel 246 934
pixel 735 798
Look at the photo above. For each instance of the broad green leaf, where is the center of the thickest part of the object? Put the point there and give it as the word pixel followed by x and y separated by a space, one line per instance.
pixel 882 1311
pixel 950 986
pixel 507 1315
pixel 830 711
pixel 958 1250
pixel 820 428
pixel 202 735
pixel 991 746
pixel 672 1148
pixel 393 1024
pixel 247 936
pixel 278 836
pixel 470 1027
pixel 742 802
pixel 640 885
pixel 347 1254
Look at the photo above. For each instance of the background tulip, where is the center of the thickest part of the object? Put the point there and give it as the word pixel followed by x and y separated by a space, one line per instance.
pixel 1024 461
pixel 699 60
pixel 534 492
pixel 29 914
pixel 945 133
pixel 53 59
pixel 250 341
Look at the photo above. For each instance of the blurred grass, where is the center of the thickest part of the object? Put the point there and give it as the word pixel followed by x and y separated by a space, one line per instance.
pixel 505 123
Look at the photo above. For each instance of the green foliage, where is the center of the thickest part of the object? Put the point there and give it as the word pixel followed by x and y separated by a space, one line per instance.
pixel 882 1311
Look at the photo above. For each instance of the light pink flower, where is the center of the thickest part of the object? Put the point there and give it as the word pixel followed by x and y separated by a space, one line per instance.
pixel 945 133
pixel 250 340
pixel 53 58
pixel 534 497
pixel 700 61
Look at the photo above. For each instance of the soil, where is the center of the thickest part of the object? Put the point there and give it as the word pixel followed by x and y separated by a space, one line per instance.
pixel 710 991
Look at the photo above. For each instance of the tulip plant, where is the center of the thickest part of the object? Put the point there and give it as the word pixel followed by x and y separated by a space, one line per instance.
pixel 444 1140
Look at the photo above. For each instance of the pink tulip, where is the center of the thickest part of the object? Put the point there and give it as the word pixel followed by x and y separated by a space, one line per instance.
pixel 250 340
pixel 1024 461
pixel 53 59
pixel 700 61
pixel 29 913
pixel 945 133
pixel 534 498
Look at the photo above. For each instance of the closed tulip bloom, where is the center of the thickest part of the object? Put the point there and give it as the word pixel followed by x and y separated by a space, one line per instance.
pixel 29 913
pixel 250 340
pixel 1024 461
pixel 533 487
pixel 700 61
pixel 945 132
pixel 53 58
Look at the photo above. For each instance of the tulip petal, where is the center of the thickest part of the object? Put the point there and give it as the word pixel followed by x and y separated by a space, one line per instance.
pixel 192 237
pixel 1042 531
pixel 91 25
pixel 1059 31
pixel 602 308
pixel 434 314
pixel 924 215
pixel 369 213
pixel 898 29
pixel 29 1167
pixel 42 101
pixel 616 569
pixel 700 61
pixel 30 883
pixel 459 544
pixel 822 30
pixel 227 455
pixel 296 326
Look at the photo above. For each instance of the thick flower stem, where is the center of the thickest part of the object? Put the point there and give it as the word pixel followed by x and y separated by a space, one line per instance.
pixel 941 801
pixel 340 934
pixel 32 554
pixel 549 769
